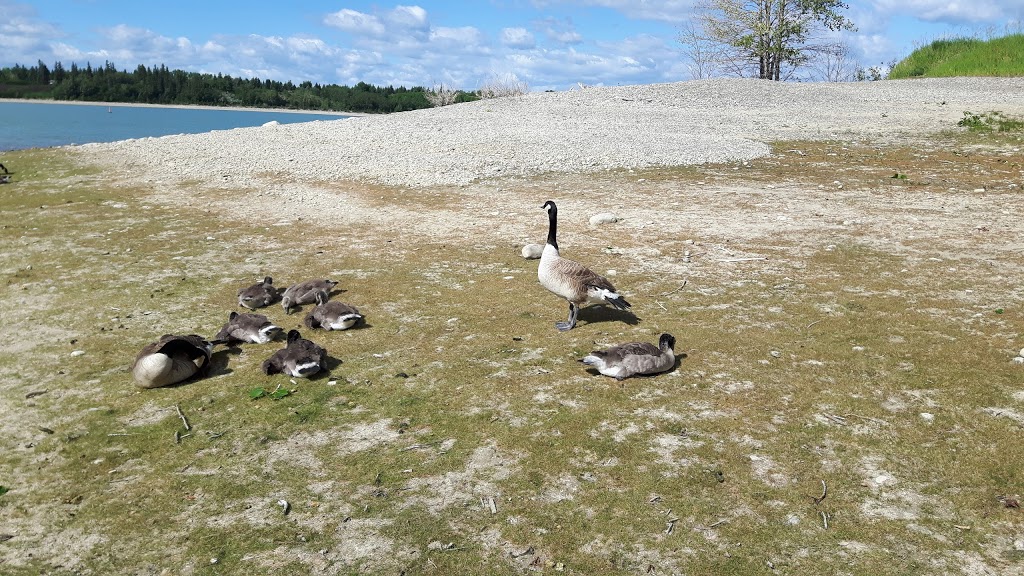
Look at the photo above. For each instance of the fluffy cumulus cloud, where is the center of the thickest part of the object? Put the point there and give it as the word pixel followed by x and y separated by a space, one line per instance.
pixel 517 38
pixel 561 31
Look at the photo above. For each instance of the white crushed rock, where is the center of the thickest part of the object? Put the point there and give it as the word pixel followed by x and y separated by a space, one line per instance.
pixel 683 123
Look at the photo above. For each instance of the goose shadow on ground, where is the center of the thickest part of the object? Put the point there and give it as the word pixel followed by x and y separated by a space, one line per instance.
pixel 597 314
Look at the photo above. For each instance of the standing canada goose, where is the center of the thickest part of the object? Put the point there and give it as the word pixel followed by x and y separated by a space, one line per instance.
pixel 258 295
pixel 332 315
pixel 248 327
pixel 172 359
pixel 625 360
pixel 304 293
pixel 299 359
pixel 572 280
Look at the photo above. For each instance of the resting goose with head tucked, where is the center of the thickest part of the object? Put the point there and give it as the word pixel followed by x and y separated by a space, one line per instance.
pixel 626 360
pixel 304 293
pixel 172 359
pixel 572 280
pixel 332 315
pixel 254 328
pixel 301 358
pixel 258 295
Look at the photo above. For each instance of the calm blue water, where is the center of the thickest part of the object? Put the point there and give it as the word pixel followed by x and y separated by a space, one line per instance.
pixel 30 125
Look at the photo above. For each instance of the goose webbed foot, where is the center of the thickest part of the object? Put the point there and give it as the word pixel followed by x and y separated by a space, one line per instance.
pixel 571 322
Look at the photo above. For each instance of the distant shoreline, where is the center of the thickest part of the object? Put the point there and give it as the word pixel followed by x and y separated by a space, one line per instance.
pixel 182 106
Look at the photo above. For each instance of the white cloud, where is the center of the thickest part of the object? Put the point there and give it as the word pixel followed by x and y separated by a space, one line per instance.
pixel 558 30
pixel 670 11
pixel 517 38
pixel 355 23
pixel 950 12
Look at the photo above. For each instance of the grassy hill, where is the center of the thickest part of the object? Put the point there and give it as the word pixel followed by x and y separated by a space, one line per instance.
pixel 964 57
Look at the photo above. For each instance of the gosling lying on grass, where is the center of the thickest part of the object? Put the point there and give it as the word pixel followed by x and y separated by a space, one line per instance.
pixel 248 327
pixel 258 295
pixel 634 358
pixel 332 315
pixel 304 293
pixel 301 358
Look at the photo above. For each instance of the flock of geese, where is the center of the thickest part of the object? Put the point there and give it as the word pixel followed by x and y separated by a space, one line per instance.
pixel 176 358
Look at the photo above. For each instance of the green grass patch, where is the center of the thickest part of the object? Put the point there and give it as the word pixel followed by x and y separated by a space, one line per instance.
pixel 964 57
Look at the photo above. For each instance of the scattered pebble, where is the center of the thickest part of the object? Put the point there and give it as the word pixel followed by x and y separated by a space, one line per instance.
pixel 532 251
pixel 603 218
pixel 78 353
pixel 775 354
pixel 927 416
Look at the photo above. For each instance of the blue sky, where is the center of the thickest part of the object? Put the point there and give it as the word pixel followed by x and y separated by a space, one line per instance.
pixel 545 44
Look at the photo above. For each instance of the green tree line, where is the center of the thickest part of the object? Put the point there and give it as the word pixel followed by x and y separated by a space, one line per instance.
pixel 160 85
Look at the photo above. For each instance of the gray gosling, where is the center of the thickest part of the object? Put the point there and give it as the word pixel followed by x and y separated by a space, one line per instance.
pixel 571 280
pixel 304 293
pixel 172 359
pixel 332 315
pixel 258 295
pixel 626 360
pixel 301 358
pixel 249 328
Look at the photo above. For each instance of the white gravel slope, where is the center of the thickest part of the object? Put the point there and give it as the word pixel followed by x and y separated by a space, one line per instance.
pixel 681 123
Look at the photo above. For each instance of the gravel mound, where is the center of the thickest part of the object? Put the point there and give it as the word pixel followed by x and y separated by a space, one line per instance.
pixel 683 123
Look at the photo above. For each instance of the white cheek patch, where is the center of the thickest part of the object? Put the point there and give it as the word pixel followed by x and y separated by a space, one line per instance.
pixel 345 322
pixel 305 369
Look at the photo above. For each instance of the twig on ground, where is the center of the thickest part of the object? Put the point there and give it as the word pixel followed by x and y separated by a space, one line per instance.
pixel 824 493
pixel 662 306
pixel 752 258
pixel 681 286
pixel 670 525
pixel 824 519
pixel 719 523
pixel 182 416
pixel 868 418
pixel 835 418
pixel 811 324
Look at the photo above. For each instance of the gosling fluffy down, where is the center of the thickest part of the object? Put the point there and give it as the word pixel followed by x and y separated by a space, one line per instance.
pixel 634 358
pixel 572 280
pixel 305 293
pixel 172 359
pixel 248 327
pixel 301 358
pixel 258 295
pixel 332 315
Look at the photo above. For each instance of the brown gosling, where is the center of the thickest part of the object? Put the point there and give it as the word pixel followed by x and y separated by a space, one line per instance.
pixel 634 358
pixel 332 315
pixel 304 293
pixel 300 358
pixel 248 327
pixel 258 295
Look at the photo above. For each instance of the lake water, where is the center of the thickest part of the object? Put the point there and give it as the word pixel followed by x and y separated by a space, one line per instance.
pixel 42 125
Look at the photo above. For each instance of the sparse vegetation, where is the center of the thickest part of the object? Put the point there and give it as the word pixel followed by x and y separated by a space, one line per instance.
pixel 441 95
pixel 991 122
pixel 868 351
pixel 502 87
